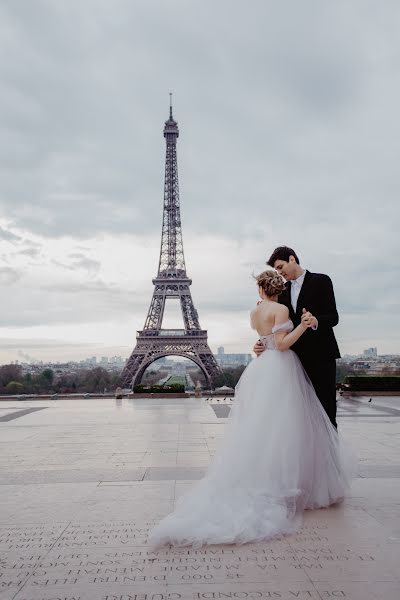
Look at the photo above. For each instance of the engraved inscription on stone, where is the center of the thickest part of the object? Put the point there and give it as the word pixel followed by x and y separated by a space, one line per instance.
pixel 208 594
pixel 106 561
pixel 99 566
pixel 104 534
pixel 29 537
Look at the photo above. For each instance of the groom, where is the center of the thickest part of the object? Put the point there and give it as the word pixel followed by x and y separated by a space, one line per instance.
pixel 310 296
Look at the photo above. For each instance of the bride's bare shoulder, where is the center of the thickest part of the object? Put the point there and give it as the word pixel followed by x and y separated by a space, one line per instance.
pixel 281 311
pixel 253 311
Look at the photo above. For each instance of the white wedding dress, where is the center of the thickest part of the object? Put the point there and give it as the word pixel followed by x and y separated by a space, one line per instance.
pixel 280 455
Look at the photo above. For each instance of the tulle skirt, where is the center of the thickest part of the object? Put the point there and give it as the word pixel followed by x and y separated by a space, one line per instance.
pixel 280 455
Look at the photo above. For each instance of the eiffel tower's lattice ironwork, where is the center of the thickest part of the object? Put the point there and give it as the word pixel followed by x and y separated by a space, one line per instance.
pixel 152 341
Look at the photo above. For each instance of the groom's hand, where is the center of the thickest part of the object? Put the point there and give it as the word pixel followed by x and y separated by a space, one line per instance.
pixel 308 319
pixel 258 348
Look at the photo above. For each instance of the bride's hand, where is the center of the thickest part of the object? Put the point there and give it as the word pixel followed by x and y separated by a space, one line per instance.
pixel 307 319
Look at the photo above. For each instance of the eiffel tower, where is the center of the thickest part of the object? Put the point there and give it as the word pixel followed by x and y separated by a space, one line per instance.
pixel 154 342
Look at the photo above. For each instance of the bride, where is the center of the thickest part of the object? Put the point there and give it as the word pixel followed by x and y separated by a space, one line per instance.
pixel 280 453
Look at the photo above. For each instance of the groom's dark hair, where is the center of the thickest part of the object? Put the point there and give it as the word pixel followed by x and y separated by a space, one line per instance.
pixel 282 253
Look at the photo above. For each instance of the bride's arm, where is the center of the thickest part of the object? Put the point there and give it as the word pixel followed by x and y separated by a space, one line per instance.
pixel 285 339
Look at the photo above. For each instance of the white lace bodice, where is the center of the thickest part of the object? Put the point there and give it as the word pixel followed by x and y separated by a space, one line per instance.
pixel 269 340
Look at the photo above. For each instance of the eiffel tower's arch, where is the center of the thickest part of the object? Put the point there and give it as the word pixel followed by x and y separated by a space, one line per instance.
pixel 151 359
pixel 171 282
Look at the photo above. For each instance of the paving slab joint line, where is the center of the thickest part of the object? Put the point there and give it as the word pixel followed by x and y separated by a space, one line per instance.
pixel 21 413
pixel 117 480
pixel 310 581
pixel 41 559
pixel 316 591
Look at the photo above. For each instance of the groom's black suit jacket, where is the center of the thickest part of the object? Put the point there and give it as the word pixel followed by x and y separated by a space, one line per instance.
pixel 317 296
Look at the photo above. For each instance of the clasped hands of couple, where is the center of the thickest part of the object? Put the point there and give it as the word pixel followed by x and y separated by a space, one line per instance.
pixel 307 320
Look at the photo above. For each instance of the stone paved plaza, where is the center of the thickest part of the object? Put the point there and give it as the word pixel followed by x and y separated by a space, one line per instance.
pixel 83 480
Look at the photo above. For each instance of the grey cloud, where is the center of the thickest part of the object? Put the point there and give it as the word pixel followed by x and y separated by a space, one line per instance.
pixel 32 252
pixel 32 344
pixel 288 134
pixel 97 286
pixel 80 262
pixel 32 244
pixel 86 263
pixel 9 236
pixel 56 304
pixel 9 276
pixel 275 104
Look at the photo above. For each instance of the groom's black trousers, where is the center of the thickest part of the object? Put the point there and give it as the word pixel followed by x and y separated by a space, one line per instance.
pixel 323 378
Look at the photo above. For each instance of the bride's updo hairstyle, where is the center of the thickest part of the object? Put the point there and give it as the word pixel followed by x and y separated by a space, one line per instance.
pixel 271 282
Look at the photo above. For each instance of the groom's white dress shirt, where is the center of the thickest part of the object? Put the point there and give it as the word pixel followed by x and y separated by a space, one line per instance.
pixel 295 292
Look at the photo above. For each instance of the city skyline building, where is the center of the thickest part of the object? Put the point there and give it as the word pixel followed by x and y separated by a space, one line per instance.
pixel 232 359
pixel 371 353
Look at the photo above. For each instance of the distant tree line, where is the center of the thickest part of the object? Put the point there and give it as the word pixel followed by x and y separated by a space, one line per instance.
pixel 229 376
pixel 344 371
pixel 371 384
pixel 48 381
pixel 153 377
pixel 96 380
pixel 13 381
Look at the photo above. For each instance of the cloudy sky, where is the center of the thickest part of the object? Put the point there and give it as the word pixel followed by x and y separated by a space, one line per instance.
pixel 289 134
